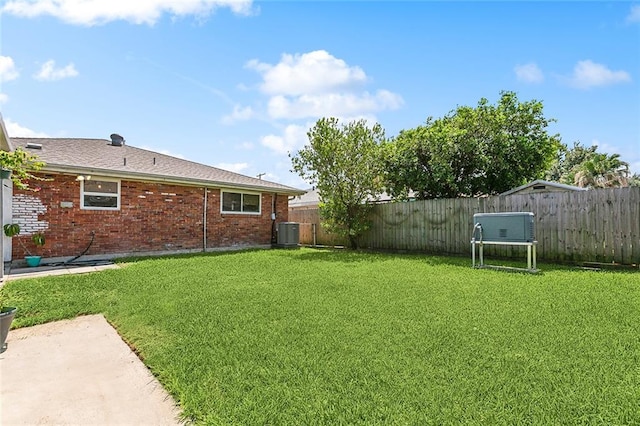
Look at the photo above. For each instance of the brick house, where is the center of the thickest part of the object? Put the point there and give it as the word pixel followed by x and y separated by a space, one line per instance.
pixel 104 197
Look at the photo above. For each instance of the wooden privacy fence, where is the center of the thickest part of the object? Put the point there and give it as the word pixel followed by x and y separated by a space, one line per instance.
pixel 599 225
pixel 311 232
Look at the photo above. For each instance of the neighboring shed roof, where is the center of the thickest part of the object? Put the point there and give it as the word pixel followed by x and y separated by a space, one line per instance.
pixel 309 199
pixel 312 199
pixel 542 186
pixel 101 157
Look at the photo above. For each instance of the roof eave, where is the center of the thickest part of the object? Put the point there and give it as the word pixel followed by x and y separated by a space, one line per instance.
pixel 56 168
pixel 5 140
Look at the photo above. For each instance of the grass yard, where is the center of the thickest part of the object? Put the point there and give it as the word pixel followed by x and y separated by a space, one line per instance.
pixel 336 337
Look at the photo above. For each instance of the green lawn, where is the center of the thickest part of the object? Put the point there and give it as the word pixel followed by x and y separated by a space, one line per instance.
pixel 337 337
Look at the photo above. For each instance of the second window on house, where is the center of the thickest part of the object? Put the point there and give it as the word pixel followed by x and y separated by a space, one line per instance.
pixel 240 202
pixel 100 195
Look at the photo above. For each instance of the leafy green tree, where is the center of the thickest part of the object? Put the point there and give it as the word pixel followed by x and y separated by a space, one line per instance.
pixel 566 165
pixel 586 167
pixel 472 151
pixel 431 161
pixel 343 162
pixel 603 171
pixel 21 164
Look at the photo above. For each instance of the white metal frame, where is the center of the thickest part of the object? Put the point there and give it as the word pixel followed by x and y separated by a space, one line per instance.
pixel 242 193
pixel 531 253
pixel 104 194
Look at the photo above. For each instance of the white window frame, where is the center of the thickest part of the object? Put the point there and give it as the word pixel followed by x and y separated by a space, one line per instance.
pixel 103 194
pixel 242 193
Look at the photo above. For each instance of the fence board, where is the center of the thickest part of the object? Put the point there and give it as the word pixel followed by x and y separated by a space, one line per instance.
pixel 634 233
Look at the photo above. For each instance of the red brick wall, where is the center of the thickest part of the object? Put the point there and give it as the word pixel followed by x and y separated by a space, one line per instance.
pixel 226 230
pixel 153 217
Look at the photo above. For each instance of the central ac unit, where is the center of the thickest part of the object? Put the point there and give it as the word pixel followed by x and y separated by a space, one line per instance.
pixel 288 234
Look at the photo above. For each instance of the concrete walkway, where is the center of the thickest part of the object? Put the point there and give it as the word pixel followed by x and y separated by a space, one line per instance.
pixel 78 372
pixel 13 273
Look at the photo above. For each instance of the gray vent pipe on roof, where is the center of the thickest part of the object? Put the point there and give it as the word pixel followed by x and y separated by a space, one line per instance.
pixel 116 139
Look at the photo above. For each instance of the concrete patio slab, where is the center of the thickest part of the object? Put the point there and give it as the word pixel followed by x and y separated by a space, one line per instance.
pixel 78 372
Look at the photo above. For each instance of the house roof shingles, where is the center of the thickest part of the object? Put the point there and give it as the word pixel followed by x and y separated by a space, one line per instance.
pixel 99 157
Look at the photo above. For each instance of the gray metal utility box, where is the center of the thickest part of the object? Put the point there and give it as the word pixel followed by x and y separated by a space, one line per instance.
pixel 288 235
pixel 511 227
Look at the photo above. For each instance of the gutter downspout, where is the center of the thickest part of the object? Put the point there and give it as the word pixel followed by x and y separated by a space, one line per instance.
pixel 204 221
pixel 274 238
pixel 5 145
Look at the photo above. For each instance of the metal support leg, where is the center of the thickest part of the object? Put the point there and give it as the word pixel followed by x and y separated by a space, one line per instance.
pixel 529 257
pixel 473 254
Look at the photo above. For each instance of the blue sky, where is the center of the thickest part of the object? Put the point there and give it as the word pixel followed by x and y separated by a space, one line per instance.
pixel 237 84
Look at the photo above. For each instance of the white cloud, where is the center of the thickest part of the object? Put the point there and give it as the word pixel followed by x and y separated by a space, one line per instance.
pixel 17 131
pixel 96 12
pixel 162 151
pixel 3 98
pixel 293 138
pixel 239 114
pixel 289 179
pixel 529 73
pixel 604 147
pixel 317 84
pixel 588 74
pixel 310 73
pixel 369 120
pixel 627 154
pixel 171 154
pixel 233 167
pixel 8 69
pixel 49 72
pixel 332 104
pixel 634 14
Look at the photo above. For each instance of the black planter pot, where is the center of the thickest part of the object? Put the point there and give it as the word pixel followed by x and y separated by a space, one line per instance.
pixel 6 317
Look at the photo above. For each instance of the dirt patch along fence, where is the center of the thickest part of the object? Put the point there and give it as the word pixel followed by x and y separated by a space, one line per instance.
pixel 600 225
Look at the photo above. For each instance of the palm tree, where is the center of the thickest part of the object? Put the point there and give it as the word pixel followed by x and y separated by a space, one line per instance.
pixel 602 171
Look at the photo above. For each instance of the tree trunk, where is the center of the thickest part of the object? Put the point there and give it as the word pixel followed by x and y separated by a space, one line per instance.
pixel 353 241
